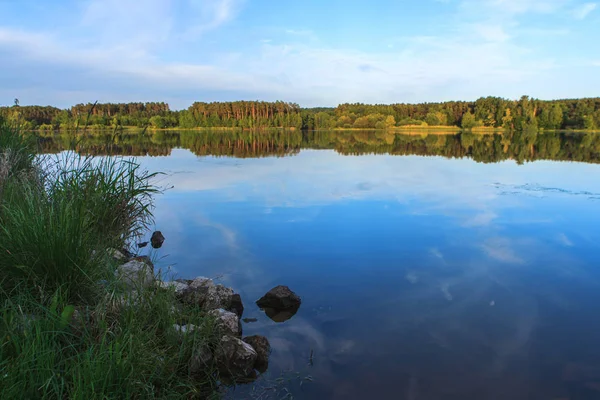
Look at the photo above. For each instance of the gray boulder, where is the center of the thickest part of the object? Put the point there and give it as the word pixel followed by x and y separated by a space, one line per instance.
pixel 261 345
pixel 136 273
pixel 200 359
pixel 227 322
pixel 279 298
pixel 183 329
pixel 204 293
pixel 157 240
pixel 235 358
pixel 218 296
pixel 117 255
pixel 236 305
pixel 178 287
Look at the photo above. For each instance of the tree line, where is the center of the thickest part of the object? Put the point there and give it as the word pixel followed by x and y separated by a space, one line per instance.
pixel 487 148
pixel 491 112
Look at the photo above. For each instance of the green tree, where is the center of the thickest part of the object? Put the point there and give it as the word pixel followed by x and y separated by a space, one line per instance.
pixel 468 121
pixel 588 122
pixel 390 122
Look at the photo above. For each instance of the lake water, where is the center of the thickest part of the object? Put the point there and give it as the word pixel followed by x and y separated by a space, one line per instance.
pixel 424 273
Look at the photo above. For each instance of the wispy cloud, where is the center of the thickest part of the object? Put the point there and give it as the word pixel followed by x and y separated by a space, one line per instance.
pixel 584 10
pixel 564 240
pixel 172 49
pixel 211 14
pixel 501 249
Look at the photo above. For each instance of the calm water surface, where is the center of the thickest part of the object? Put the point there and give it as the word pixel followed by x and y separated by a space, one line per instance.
pixel 421 277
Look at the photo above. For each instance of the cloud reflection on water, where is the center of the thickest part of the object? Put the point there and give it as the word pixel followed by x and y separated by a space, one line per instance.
pixel 398 260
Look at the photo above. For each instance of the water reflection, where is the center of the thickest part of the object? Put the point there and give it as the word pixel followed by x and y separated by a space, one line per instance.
pixel 519 146
pixel 420 277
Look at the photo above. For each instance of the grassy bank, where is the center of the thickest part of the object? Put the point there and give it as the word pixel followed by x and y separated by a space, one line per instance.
pixel 68 329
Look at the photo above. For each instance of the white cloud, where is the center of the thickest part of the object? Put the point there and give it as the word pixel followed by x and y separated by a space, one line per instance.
pixel 584 10
pixel 214 13
pixel 516 7
pixel 117 44
pixel 564 240
pixel 501 249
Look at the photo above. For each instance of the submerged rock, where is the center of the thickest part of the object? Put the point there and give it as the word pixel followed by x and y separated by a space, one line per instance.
pixel 157 240
pixel 227 322
pixel 279 298
pixel 278 315
pixel 136 273
pixel 141 245
pixel 249 320
pixel 235 358
pixel 261 345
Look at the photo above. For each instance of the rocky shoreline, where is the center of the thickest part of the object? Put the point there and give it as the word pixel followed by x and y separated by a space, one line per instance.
pixel 238 359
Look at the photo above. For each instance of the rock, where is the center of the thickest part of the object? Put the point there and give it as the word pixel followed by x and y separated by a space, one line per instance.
pixel 280 298
pixel 197 291
pixel 184 328
pixel 218 296
pixel 248 320
pixel 141 245
pixel 204 293
pixel 281 315
pixel 145 259
pixel 261 345
pixel 127 253
pixel 117 255
pixel 157 240
pixel 200 359
pixel 236 305
pixel 235 358
pixel 178 287
pixel 227 322
pixel 136 273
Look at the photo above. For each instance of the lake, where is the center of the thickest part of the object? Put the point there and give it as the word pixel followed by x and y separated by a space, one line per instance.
pixel 430 266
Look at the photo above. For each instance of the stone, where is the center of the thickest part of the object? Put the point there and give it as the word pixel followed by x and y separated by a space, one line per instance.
pixel 184 328
pixel 141 245
pixel 197 291
pixel 278 315
pixel 157 240
pixel 136 274
pixel 117 255
pixel 218 296
pixel 145 259
pixel 261 345
pixel 227 322
pixel 127 253
pixel 236 305
pixel 249 320
pixel 280 298
pixel 200 359
pixel 235 358
pixel 178 287
pixel 204 293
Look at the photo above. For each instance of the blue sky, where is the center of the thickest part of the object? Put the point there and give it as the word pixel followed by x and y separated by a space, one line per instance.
pixel 62 52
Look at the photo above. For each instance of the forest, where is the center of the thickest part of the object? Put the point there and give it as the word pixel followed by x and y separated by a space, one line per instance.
pixel 487 148
pixel 487 112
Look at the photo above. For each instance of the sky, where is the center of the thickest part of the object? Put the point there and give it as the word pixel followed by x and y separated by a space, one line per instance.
pixel 313 52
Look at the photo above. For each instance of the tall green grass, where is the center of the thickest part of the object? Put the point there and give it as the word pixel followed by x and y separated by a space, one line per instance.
pixel 66 331
pixel 121 352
